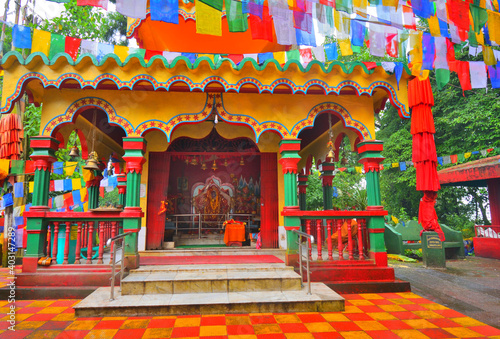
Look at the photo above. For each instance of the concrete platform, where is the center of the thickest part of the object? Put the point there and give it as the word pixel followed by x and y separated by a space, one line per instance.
pixel 322 299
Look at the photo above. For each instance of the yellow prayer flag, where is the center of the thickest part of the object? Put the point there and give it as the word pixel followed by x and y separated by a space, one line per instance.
pixel 83 193
pixel 5 165
pixel 121 52
pixel 41 42
pixel 291 4
pixel 280 57
pixel 345 47
pixel 494 26
pixel 21 210
pixel 396 220
pixel 395 164
pixel 336 19
pixel 31 186
pixel 69 167
pixel 85 206
pixel 208 20
pixel 467 155
pixel 87 175
pixel 210 56
pixel 434 26
pixel 489 57
pixel 359 7
pixel 358 169
pixel 480 38
pixel 393 3
pixel 76 183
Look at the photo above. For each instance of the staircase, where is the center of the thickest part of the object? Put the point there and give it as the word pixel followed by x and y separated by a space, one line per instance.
pixel 210 289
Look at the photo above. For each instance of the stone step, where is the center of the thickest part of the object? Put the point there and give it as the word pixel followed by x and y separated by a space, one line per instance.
pixel 216 280
pixel 322 299
pixel 210 268
pixel 213 251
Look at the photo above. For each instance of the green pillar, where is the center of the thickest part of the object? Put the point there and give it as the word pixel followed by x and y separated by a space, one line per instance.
pixel 44 149
pixel 93 187
pixel 289 151
pixel 135 149
pixel 327 176
pixel 122 188
pixel 370 152
pixel 303 192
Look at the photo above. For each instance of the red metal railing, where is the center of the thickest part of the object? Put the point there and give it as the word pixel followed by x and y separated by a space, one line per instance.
pixel 85 239
pixel 487 231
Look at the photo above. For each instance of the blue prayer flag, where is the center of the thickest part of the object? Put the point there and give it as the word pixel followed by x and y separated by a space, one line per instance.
pixel 305 38
pixel 19 189
pixel 358 33
pixel 331 51
pixel 18 221
pixel 443 28
pixel 190 56
pixel 113 181
pixel 21 36
pixel 8 200
pixel 245 6
pixel 77 198
pixel 68 185
pixel 103 50
pixel 402 166
pixel 58 167
pixel 165 10
pixel 422 8
pixel 265 56
pixel 440 160
pixel 398 71
pixel 428 51
pixel 27 207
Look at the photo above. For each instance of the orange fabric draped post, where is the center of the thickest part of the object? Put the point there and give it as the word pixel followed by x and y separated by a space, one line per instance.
pixel 424 156
pixel 235 232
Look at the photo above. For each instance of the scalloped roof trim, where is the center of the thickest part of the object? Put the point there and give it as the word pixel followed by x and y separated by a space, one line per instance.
pixel 347 68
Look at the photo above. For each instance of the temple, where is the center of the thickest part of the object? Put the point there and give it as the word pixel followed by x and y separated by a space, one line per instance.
pixel 203 142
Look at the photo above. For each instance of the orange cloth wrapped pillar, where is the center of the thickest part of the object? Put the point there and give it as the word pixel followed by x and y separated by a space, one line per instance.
pixel 234 233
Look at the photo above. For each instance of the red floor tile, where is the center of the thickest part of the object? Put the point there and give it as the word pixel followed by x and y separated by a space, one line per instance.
pixel 311 318
pixel 485 330
pixel 293 328
pixel 212 321
pixel 405 315
pixel 449 313
pixel 352 297
pixel 381 302
pixel 179 332
pixel 239 329
pixel 63 303
pixel 414 307
pixel 18 334
pixel 55 325
pixel 340 326
pixel 130 333
pixel 327 335
pixel 72 334
pixel 390 296
pixel 28 310
pixel 395 324
pixel 358 316
pixel 436 333
pixel 370 309
pixel 271 336
pixel 165 323
pixel 421 301
pixel 382 334
pixel 443 323
pixel 41 317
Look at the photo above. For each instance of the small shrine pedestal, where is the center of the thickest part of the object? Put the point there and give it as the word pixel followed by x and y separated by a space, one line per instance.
pixel 433 253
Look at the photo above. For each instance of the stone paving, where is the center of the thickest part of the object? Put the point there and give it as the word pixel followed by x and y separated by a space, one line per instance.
pixel 388 315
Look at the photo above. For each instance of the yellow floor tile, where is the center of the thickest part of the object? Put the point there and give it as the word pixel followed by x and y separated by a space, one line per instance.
pixel 41 303
pixel 54 310
pixel 158 317
pixel 20 317
pixel 154 333
pixel 319 327
pixel 99 334
pixel 334 317
pixel 352 309
pixel 462 332
pixel 428 314
pixel 299 336
pixel 372 296
pixel 187 322
pixel 410 334
pixel 381 316
pixel 82 325
pixel 135 323
pixel 355 335
pixel 266 328
pixel 114 318
pixel 434 306
pixel 29 325
pixel 259 314
pixel 287 318
pixel 238 320
pixel 4 310
pixel 392 308
pixel 213 330
pixel 401 301
pixel 467 322
pixel 43 334
pixel 408 295
pixel 361 302
pixel 3 303
pixel 419 323
pixel 242 336
pixel 64 317
pixel 370 325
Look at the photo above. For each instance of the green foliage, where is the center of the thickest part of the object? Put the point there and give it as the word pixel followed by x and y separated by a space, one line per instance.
pixel 314 196
pixel 31 123
pixel 351 194
pixel 86 22
pixel 110 198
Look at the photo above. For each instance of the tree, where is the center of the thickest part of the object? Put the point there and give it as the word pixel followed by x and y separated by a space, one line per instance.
pixel 86 22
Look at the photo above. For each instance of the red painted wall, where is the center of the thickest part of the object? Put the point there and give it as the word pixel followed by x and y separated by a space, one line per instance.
pixel 487 247
pixel 269 200
pixel 494 196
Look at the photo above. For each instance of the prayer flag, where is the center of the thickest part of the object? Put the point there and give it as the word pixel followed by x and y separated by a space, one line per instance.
pixel 31 186
pixel 462 70
pixel 305 39
pixel 454 158
pixel 21 36
pixel 398 71
pixel 67 184
pixel 41 42
pixel 408 18
pixel 359 7
pixel 344 6
pixel 58 185
pixel 87 175
pixel 280 57
pixel 121 52
pixel 467 155
pixel 377 40
pixel 76 183
pixel 303 21
pixel 208 20
pixel 170 56
pixel 216 4
pixel 478 74
pixel 94 3
pixel 88 47
pixel 442 77
pixel 52 186
pixel 254 8
pixel 305 56
pixel 441 61
pixel 283 20
pixel 262 28
pixel 388 66
pixel 319 53
pixel 331 51
pixel 458 13
pixel 168 10
pixel 17 167
pixel 150 53
pixel 236 58
pixel 190 56
pixel 391 43
pixel 293 55
pixel 71 46
pixel 265 56
pixel 428 51
pixel 57 45
pixel 434 26
pixel 494 75
pixel 357 33
pixel 358 169
pixel 345 47
pixel 402 166
pixel 70 167
pixel 479 16
pixel 103 50
pixel 132 8
pixel 440 160
pixel 488 56
pixel 8 200
pixel 139 51
pixel 236 21
pixel 77 198
pixel 58 167
pixel 19 189
pixel 29 166
pixel 422 8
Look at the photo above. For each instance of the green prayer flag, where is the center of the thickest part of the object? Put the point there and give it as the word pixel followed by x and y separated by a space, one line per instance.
pixel 217 4
pixel 140 51
pixel 329 16
pixel 57 43
pixel 442 77
pixel 293 55
pixel 461 157
pixel 343 6
pixel 236 20
pixel 17 166
pixel 472 38
pixel 356 49
pixel 479 17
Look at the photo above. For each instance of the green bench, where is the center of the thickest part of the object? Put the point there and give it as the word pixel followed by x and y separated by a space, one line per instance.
pixel 397 237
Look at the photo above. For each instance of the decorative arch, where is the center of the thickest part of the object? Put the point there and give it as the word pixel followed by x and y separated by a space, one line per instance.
pixel 88 102
pixel 339 111
pixel 240 119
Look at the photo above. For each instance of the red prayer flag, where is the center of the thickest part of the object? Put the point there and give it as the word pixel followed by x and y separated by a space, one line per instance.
pixel 454 158
pixel 68 200
pixel 101 192
pixel 391 45
pixel 370 65
pixel 95 3
pixel 30 166
pixel 458 12
pixel 463 72
pixel 51 186
pixel 450 50
pixel 490 150
pixel 305 55
pixel 149 54
pixel 262 28
pixel 71 46
pixel 236 58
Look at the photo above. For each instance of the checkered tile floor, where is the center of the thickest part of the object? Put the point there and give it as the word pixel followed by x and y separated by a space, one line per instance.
pixel 388 315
